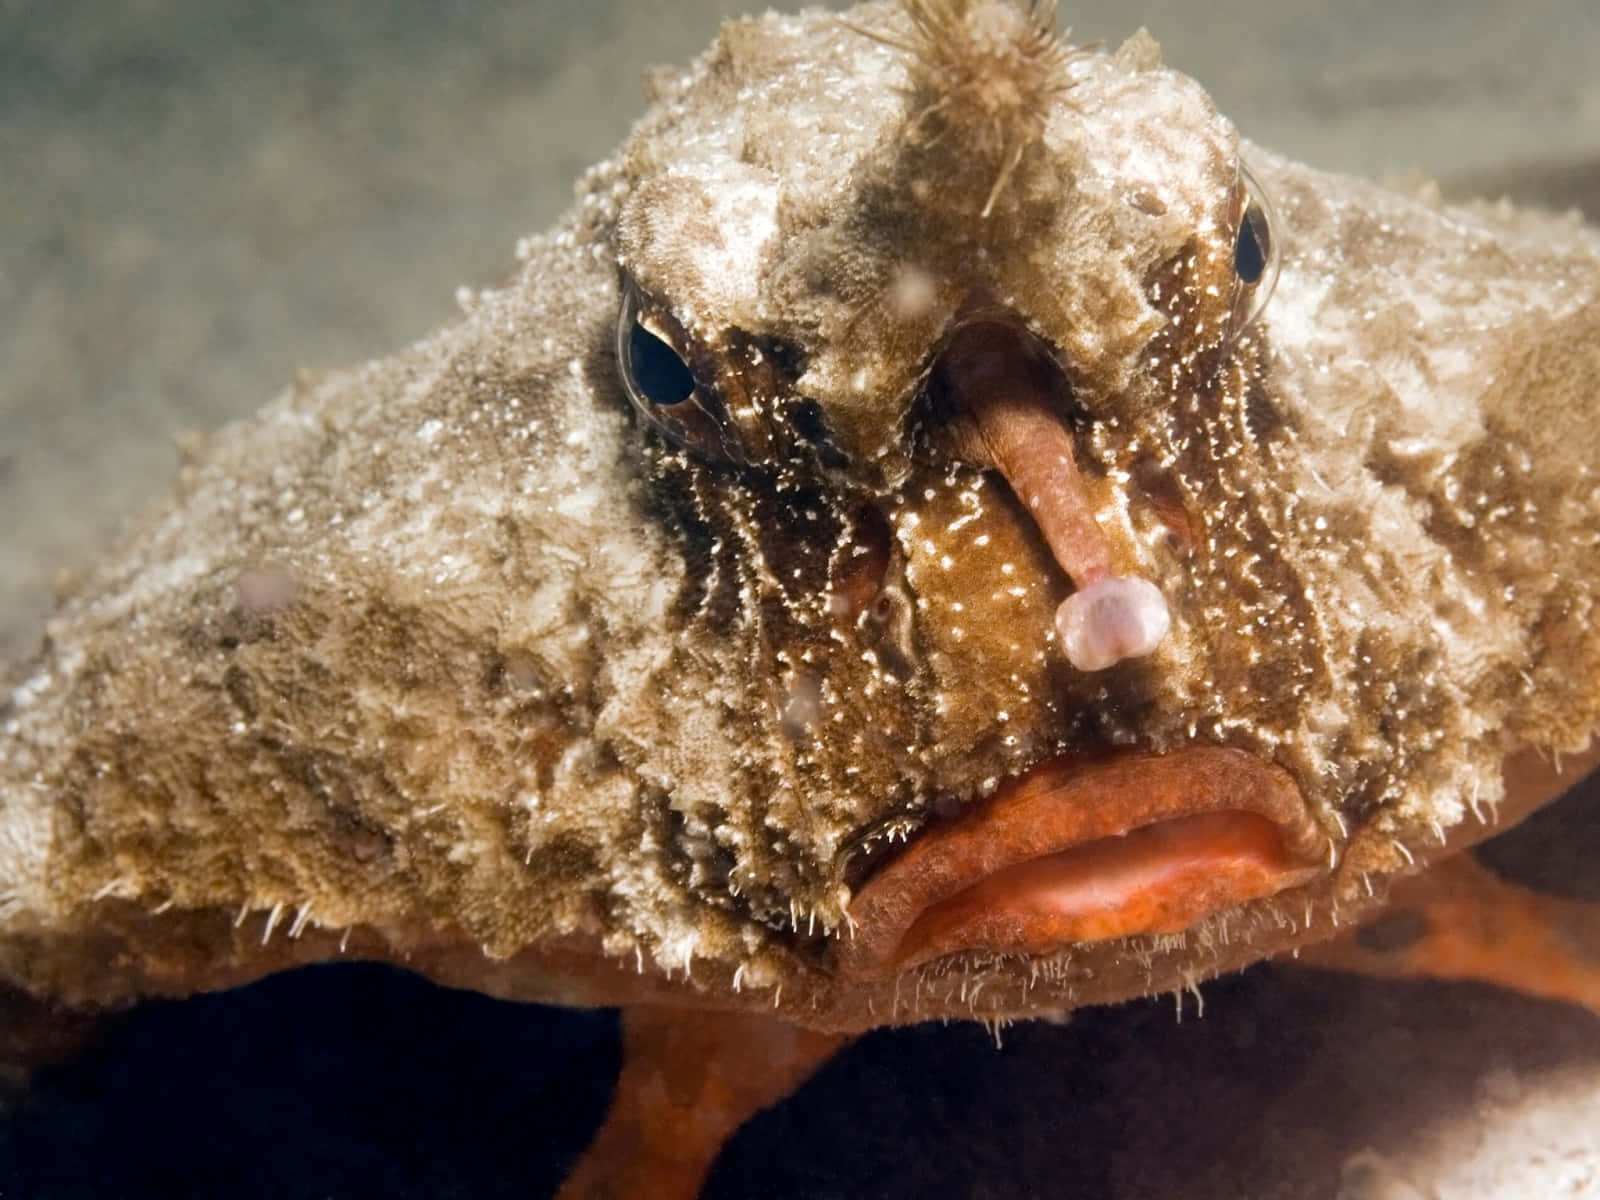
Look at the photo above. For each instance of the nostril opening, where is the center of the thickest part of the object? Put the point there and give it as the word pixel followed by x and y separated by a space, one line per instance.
pixel 856 576
pixel 1160 488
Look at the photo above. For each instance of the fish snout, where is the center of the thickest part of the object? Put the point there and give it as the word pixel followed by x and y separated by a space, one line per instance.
pixel 1001 401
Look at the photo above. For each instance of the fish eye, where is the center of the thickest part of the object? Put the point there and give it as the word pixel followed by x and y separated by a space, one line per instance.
pixel 1250 247
pixel 1255 250
pixel 653 372
pixel 665 391
pixel 656 371
pixel 725 398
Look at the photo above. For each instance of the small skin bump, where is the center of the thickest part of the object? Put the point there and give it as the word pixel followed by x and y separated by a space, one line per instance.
pixel 265 589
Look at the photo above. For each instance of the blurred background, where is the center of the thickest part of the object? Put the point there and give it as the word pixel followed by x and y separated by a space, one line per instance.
pixel 199 196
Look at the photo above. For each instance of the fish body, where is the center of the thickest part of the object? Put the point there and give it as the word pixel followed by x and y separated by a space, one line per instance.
pixel 696 618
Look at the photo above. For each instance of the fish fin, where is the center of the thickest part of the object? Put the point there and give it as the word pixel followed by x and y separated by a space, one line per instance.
pixel 689 1079
pixel 1461 921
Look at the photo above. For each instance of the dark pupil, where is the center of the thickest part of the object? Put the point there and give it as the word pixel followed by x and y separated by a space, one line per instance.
pixel 1250 250
pixel 658 372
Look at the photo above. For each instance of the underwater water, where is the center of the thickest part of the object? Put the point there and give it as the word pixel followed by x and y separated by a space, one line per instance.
pixel 199 197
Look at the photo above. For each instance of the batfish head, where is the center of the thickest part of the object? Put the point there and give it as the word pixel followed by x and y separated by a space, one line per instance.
pixel 1054 545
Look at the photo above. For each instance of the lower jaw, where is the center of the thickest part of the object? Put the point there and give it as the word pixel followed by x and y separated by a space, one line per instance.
pixel 1074 852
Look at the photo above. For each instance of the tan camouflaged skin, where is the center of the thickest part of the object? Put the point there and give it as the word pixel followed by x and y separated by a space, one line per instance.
pixel 451 660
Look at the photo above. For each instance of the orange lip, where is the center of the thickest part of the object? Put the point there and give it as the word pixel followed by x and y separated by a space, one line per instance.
pixel 1078 851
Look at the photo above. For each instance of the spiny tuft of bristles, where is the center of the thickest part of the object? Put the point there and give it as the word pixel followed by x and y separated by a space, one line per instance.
pixel 985 73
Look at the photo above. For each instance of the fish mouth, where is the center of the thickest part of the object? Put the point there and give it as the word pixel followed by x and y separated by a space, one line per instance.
pixel 1089 849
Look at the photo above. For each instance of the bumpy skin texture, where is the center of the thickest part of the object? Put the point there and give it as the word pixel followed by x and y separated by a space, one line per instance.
pixel 453 660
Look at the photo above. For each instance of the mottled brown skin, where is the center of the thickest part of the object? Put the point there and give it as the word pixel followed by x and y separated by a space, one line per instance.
pixel 461 660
